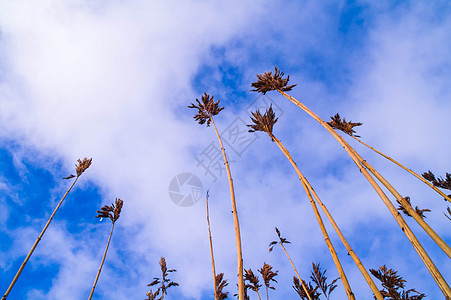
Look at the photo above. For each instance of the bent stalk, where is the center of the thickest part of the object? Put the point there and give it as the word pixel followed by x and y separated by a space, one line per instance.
pixel 405 168
pixel 443 285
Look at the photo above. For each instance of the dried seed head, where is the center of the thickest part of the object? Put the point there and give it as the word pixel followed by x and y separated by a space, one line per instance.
pixel 83 165
pixel 263 123
pixel 268 275
pixel 253 280
pixel 206 109
pixel 314 294
pixel 346 127
pixel 221 283
pixel 271 82
pixel 113 211
pixel 420 212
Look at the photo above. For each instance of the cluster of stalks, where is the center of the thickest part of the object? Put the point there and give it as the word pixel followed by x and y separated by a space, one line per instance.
pixel 275 82
pixel 265 121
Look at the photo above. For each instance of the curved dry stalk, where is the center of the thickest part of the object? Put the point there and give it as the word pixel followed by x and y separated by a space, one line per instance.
pixel 332 251
pixel 261 123
pixel 405 168
pixel 112 212
pixel 281 242
pixel 206 110
pixel 443 285
pixel 211 249
pixel 407 206
pixel 80 168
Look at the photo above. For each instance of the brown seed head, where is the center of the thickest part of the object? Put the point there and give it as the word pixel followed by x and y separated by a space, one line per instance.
pixel 83 165
pixel 271 82
pixel 221 283
pixel 253 280
pixel 113 211
pixel 268 275
pixel 420 212
pixel 346 127
pixel 263 123
pixel 206 109
pixel 314 294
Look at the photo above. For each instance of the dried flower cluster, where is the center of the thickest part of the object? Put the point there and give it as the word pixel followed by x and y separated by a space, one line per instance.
pixel 320 279
pixel 438 182
pixel 165 282
pixel 206 109
pixel 221 283
pixel 312 292
pixel 347 127
pixel 281 241
pixel 393 285
pixel 83 165
pixel 253 280
pixel 268 275
pixel 112 211
pixel 420 212
pixel 263 123
pixel 272 82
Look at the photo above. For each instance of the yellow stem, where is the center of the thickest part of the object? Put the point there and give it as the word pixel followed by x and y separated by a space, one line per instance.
pixel 37 242
pixel 408 170
pixel 435 237
pixel 443 285
pixel 296 271
pixel 211 251
pixel 346 285
pixel 101 264
pixel 235 220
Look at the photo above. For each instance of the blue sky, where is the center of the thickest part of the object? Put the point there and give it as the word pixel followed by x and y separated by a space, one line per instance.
pixel 112 81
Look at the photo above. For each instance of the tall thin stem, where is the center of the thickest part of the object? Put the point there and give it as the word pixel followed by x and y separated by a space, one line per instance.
pixel 405 168
pixel 296 271
pixel 435 237
pixel 101 264
pixel 235 220
pixel 37 241
pixel 351 252
pixel 211 250
pixel 333 253
pixel 443 285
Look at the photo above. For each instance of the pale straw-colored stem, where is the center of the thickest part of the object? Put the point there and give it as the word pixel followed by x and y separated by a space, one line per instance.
pixel 101 264
pixel 407 169
pixel 443 285
pixel 351 252
pixel 37 242
pixel 435 237
pixel 296 271
pixel 333 253
pixel 211 250
pixel 235 220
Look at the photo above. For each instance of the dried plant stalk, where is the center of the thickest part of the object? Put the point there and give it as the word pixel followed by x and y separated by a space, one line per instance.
pixel 444 287
pixel 332 251
pixel 112 212
pixel 206 110
pixel 211 249
pixel 285 241
pixel 80 168
pixel 406 205
pixel 407 169
pixel 259 125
